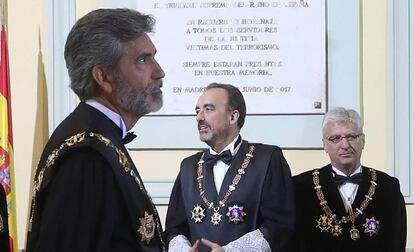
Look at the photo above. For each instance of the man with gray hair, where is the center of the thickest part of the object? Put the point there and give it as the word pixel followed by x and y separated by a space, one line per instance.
pixel 87 193
pixel 345 206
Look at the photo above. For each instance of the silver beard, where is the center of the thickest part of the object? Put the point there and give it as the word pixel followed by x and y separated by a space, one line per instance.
pixel 140 103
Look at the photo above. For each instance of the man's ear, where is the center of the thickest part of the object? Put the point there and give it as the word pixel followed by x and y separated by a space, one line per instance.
pixel 104 77
pixel 234 117
pixel 324 146
pixel 363 140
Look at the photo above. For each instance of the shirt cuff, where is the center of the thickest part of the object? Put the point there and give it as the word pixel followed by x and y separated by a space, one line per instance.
pixel 251 242
pixel 179 243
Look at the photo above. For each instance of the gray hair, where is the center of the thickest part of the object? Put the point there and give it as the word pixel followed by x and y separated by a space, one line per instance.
pixel 97 39
pixel 342 115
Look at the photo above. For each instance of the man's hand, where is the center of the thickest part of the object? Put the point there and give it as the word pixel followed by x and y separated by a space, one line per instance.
pixel 195 246
pixel 214 246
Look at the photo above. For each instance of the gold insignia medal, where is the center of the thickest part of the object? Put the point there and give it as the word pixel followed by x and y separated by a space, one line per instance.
pixel 336 230
pixel 371 226
pixel 197 214
pixel 147 227
pixel 236 214
pixel 216 217
pixel 324 223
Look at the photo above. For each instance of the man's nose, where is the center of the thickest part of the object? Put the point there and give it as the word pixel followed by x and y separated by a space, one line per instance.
pixel 344 143
pixel 158 72
pixel 199 116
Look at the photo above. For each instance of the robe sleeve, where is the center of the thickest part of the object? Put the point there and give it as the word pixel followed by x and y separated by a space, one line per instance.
pixel 277 204
pixel 399 230
pixel 176 221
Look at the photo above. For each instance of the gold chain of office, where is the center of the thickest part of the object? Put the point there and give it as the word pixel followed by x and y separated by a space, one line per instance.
pixel 122 158
pixel 216 218
pixel 328 222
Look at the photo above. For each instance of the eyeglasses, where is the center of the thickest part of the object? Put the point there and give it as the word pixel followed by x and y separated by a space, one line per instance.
pixel 349 138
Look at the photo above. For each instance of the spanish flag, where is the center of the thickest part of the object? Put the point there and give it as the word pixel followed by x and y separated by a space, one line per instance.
pixel 6 141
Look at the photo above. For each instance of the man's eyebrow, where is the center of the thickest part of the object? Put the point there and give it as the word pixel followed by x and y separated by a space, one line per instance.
pixel 144 54
pixel 205 105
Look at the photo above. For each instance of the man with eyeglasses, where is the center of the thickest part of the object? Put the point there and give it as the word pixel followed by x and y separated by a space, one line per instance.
pixel 345 206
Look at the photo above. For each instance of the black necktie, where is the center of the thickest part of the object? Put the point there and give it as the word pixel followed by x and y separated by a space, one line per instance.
pixel 128 137
pixel 211 159
pixel 340 180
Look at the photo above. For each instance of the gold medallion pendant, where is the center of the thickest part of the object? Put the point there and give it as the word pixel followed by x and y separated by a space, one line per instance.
pixel 147 227
pixel 197 214
pixel 235 214
pixel 354 234
pixel 371 226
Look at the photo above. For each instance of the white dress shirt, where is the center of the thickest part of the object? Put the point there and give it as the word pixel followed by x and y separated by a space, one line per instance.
pixel 348 190
pixel 220 168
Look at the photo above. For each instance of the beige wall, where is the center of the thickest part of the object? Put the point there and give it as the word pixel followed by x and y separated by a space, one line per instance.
pixel 28 25
pixel 375 89
pixel 27 21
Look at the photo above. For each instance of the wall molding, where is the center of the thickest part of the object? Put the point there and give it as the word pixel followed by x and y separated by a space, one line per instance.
pixel 61 99
pixel 159 190
pixel 402 95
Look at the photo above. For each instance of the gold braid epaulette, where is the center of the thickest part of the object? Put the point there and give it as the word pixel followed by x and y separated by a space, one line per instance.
pixel 77 139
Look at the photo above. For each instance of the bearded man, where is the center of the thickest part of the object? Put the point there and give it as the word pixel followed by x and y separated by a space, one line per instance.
pixel 235 195
pixel 88 195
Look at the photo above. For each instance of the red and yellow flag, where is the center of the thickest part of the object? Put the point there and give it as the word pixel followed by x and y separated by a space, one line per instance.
pixel 6 140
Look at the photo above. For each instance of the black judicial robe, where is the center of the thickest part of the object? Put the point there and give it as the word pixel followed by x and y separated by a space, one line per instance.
pixel 387 206
pixel 4 227
pixel 88 201
pixel 265 191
